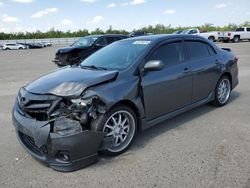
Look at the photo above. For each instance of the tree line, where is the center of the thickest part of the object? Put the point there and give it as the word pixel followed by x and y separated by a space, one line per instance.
pixel 156 29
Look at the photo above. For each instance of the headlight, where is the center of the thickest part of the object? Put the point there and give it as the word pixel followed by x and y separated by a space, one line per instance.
pixel 65 126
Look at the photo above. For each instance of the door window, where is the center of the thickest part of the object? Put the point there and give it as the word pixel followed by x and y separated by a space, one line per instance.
pixel 101 42
pixel 169 54
pixel 240 29
pixel 194 31
pixel 197 50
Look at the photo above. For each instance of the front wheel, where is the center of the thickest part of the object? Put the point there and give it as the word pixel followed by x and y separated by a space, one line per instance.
pixel 222 91
pixel 120 125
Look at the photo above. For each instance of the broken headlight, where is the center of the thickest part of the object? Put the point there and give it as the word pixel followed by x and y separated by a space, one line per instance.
pixel 79 102
pixel 65 127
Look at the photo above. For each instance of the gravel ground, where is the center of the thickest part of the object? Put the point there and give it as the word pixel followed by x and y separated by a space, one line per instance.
pixel 205 147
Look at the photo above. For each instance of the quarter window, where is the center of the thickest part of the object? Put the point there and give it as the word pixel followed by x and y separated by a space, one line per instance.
pixel 198 50
pixel 169 54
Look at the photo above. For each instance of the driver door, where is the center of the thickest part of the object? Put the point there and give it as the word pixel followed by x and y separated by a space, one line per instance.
pixel 170 88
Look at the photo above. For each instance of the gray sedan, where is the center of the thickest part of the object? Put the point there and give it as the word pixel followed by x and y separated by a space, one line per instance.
pixel 64 118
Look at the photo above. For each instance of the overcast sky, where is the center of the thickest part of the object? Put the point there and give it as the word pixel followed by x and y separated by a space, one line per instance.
pixel 32 15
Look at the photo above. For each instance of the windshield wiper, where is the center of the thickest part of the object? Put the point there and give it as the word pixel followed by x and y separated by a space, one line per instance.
pixel 92 67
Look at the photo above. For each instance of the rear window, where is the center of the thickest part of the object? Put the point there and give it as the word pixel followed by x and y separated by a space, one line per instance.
pixel 198 50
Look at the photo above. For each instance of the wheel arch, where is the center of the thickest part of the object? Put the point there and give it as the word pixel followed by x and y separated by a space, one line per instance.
pixel 228 74
pixel 133 106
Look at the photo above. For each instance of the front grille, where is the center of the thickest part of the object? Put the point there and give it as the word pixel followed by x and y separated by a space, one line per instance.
pixel 30 144
pixel 36 106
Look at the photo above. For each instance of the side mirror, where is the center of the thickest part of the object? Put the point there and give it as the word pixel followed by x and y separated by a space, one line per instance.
pixel 153 65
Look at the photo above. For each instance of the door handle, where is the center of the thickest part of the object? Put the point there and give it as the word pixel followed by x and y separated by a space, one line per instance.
pixel 186 70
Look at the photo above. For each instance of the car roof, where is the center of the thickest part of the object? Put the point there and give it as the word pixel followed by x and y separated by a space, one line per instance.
pixel 160 37
pixel 106 35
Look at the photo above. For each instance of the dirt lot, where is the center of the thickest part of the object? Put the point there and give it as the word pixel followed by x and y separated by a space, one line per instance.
pixel 206 147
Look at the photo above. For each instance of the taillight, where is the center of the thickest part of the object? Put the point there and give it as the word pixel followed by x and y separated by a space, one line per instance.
pixel 236 59
pixel 229 34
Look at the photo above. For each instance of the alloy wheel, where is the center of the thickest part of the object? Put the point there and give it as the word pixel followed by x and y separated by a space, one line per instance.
pixel 121 127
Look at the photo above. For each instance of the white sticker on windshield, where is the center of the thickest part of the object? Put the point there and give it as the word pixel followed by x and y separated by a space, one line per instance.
pixel 142 42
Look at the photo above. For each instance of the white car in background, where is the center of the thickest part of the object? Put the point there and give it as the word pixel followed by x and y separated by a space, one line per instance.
pixel 13 46
pixel 212 36
pixel 242 33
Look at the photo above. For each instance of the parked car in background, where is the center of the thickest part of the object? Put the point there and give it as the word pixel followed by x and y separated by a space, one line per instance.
pixel 24 44
pixel 83 48
pixel 13 46
pixel 46 44
pixel 239 34
pixel 138 34
pixel 35 45
pixel 65 117
pixel 212 36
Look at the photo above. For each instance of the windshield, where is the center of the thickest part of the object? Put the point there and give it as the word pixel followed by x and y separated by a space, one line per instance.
pixel 185 32
pixel 85 41
pixel 118 55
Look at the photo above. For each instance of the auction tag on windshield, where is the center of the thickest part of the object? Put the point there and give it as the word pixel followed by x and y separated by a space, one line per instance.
pixel 142 42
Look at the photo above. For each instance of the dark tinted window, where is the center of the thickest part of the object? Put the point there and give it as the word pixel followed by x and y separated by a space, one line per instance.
pixel 101 42
pixel 248 29
pixel 197 50
pixel 170 54
pixel 240 29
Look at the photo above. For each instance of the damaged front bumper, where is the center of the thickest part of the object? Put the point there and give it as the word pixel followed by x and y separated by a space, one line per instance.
pixel 62 153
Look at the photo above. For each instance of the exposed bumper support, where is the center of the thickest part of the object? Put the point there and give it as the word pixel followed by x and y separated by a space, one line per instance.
pixel 62 153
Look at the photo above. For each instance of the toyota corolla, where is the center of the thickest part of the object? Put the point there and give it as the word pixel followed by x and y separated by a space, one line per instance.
pixel 67 117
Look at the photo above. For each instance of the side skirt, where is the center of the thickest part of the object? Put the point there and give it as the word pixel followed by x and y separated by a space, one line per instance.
pixel 146 125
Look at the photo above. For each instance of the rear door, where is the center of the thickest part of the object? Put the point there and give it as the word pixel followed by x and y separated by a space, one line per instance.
pixel 169 89
pixel 241 31
pixel 204 65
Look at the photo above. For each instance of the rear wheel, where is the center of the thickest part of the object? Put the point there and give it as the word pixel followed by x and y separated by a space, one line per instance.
pixel 211 38
pixel 120 125
pixel 222 91
pixel 236 39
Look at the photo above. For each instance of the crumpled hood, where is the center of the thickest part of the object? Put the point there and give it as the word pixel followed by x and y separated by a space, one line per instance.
pixel 72 48
pixel 70 81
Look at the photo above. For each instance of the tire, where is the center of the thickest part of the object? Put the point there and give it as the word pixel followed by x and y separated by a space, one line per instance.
pixel 211 38
pixel 126 129
pixel 20 48
pixel 236 39
pixel 222 91
pixel 7 48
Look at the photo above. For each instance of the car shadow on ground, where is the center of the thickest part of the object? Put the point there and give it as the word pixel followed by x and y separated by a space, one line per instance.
pixel 144 137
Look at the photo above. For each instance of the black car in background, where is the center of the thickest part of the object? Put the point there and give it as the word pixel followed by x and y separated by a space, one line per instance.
pixel 83 48
pixel 65 117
